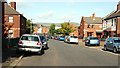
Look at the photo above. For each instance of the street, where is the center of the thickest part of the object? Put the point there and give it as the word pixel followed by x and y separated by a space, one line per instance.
pixel 64 54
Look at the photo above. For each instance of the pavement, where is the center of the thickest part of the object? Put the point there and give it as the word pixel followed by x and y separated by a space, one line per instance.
pixel 9 54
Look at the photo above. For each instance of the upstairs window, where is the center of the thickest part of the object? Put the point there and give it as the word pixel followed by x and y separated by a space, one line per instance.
pixel 10 19
pixel 88 26
pixel 92 26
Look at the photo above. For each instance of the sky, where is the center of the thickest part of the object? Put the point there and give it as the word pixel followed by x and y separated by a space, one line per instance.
pixel 57 11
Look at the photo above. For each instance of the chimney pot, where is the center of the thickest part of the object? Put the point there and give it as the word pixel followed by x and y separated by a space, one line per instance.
pixel 93 16
pixel 13 5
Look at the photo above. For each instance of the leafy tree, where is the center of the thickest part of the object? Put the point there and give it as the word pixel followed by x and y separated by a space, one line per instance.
pixel 29 26
pixel 52 29
pixel 66 28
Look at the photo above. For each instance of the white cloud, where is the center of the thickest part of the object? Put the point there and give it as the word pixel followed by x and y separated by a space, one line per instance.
pixel 47 15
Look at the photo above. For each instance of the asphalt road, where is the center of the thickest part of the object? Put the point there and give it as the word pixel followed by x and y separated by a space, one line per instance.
pixel 63 54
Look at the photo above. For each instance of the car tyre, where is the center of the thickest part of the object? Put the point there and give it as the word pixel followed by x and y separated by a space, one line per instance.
pixel 114 50
pixel 105 48
pixel 41 52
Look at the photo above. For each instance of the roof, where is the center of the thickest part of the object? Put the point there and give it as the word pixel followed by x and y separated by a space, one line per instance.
pixel 113 15
pixel 109 14
pixel 89 20
pixel 9 10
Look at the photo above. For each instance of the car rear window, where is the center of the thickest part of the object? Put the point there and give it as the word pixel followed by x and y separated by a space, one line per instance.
pixel 93 38
pixel 116 40
pixel 73 36
pixel 62 36
pixel 30 38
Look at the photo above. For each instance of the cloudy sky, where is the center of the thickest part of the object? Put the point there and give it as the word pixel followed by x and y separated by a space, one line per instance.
pixel 57 11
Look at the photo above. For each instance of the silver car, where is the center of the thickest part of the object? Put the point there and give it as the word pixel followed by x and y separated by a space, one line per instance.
pixel 31 43
pixel 112 43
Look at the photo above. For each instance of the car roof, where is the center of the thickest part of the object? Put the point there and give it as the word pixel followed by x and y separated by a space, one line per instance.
pixel 114 37
pixel 29 35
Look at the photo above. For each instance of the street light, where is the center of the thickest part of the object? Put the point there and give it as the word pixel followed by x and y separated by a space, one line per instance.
pixel 31 26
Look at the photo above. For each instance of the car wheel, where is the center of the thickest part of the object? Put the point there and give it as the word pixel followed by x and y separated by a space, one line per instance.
pixel 114 50
pixel 105 48
pixel 41 52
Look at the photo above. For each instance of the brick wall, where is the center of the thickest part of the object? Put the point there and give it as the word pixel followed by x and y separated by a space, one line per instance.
pixel 19 25
pixel 118 27
pixel 22 25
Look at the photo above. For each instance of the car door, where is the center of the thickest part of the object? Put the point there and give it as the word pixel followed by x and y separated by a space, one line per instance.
pixel 111 44
pixel 108 43
pixel 87 41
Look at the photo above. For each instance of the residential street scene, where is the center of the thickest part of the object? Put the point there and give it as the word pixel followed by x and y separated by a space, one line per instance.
pixel 60 34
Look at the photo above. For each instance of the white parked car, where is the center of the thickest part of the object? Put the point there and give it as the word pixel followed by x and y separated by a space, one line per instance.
pixel 30 43
pixel 73 39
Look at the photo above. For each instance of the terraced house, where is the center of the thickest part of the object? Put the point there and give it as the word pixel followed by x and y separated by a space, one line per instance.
pixel 111 24
pixel 90 26
pixel 14 22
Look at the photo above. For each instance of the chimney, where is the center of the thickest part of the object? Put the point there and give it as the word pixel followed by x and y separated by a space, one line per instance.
pixel 13 5
pixel 118 6
pixel 93 16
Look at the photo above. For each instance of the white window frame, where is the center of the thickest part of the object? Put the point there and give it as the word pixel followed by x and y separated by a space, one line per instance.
pixel 10 18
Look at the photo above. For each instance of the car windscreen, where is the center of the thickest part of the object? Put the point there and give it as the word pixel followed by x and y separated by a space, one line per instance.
pixel 62 36
pixel 73 36
pixel 94 38
pixel 42 38
pixel 117 40
pixel 30 38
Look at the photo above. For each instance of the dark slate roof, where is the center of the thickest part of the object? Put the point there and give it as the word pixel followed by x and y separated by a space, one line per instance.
pixel 9 10
pixel 89 20
pixel 113 15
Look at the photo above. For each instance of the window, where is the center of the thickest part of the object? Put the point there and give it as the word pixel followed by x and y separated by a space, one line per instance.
pixel 92 26
pixel 10 18
pixel 30 38
pixel 112 22
pixel 88 26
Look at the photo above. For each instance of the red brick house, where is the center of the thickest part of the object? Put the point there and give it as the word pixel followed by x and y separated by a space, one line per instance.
pixel 41 29
pixel 111 23
pixel 90 26
pixel 14 21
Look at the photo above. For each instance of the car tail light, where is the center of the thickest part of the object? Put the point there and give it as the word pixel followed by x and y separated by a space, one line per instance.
pixel 39 43
pixel 20 42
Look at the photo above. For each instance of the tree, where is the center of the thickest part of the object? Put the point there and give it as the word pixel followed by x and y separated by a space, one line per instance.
pixel 29 26
pixel 66 28
pixel 52 29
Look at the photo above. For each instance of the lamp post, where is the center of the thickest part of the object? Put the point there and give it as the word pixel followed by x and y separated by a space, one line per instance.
pixel 31 26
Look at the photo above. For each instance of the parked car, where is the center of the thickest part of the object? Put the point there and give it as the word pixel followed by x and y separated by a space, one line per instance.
pixel 84 39
pixel 66 39
pixel 44 41
pixel 31 43
pixel 112 43
pixel 92 41
pixel 61 38
pixel 56 37
pixel 73 39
